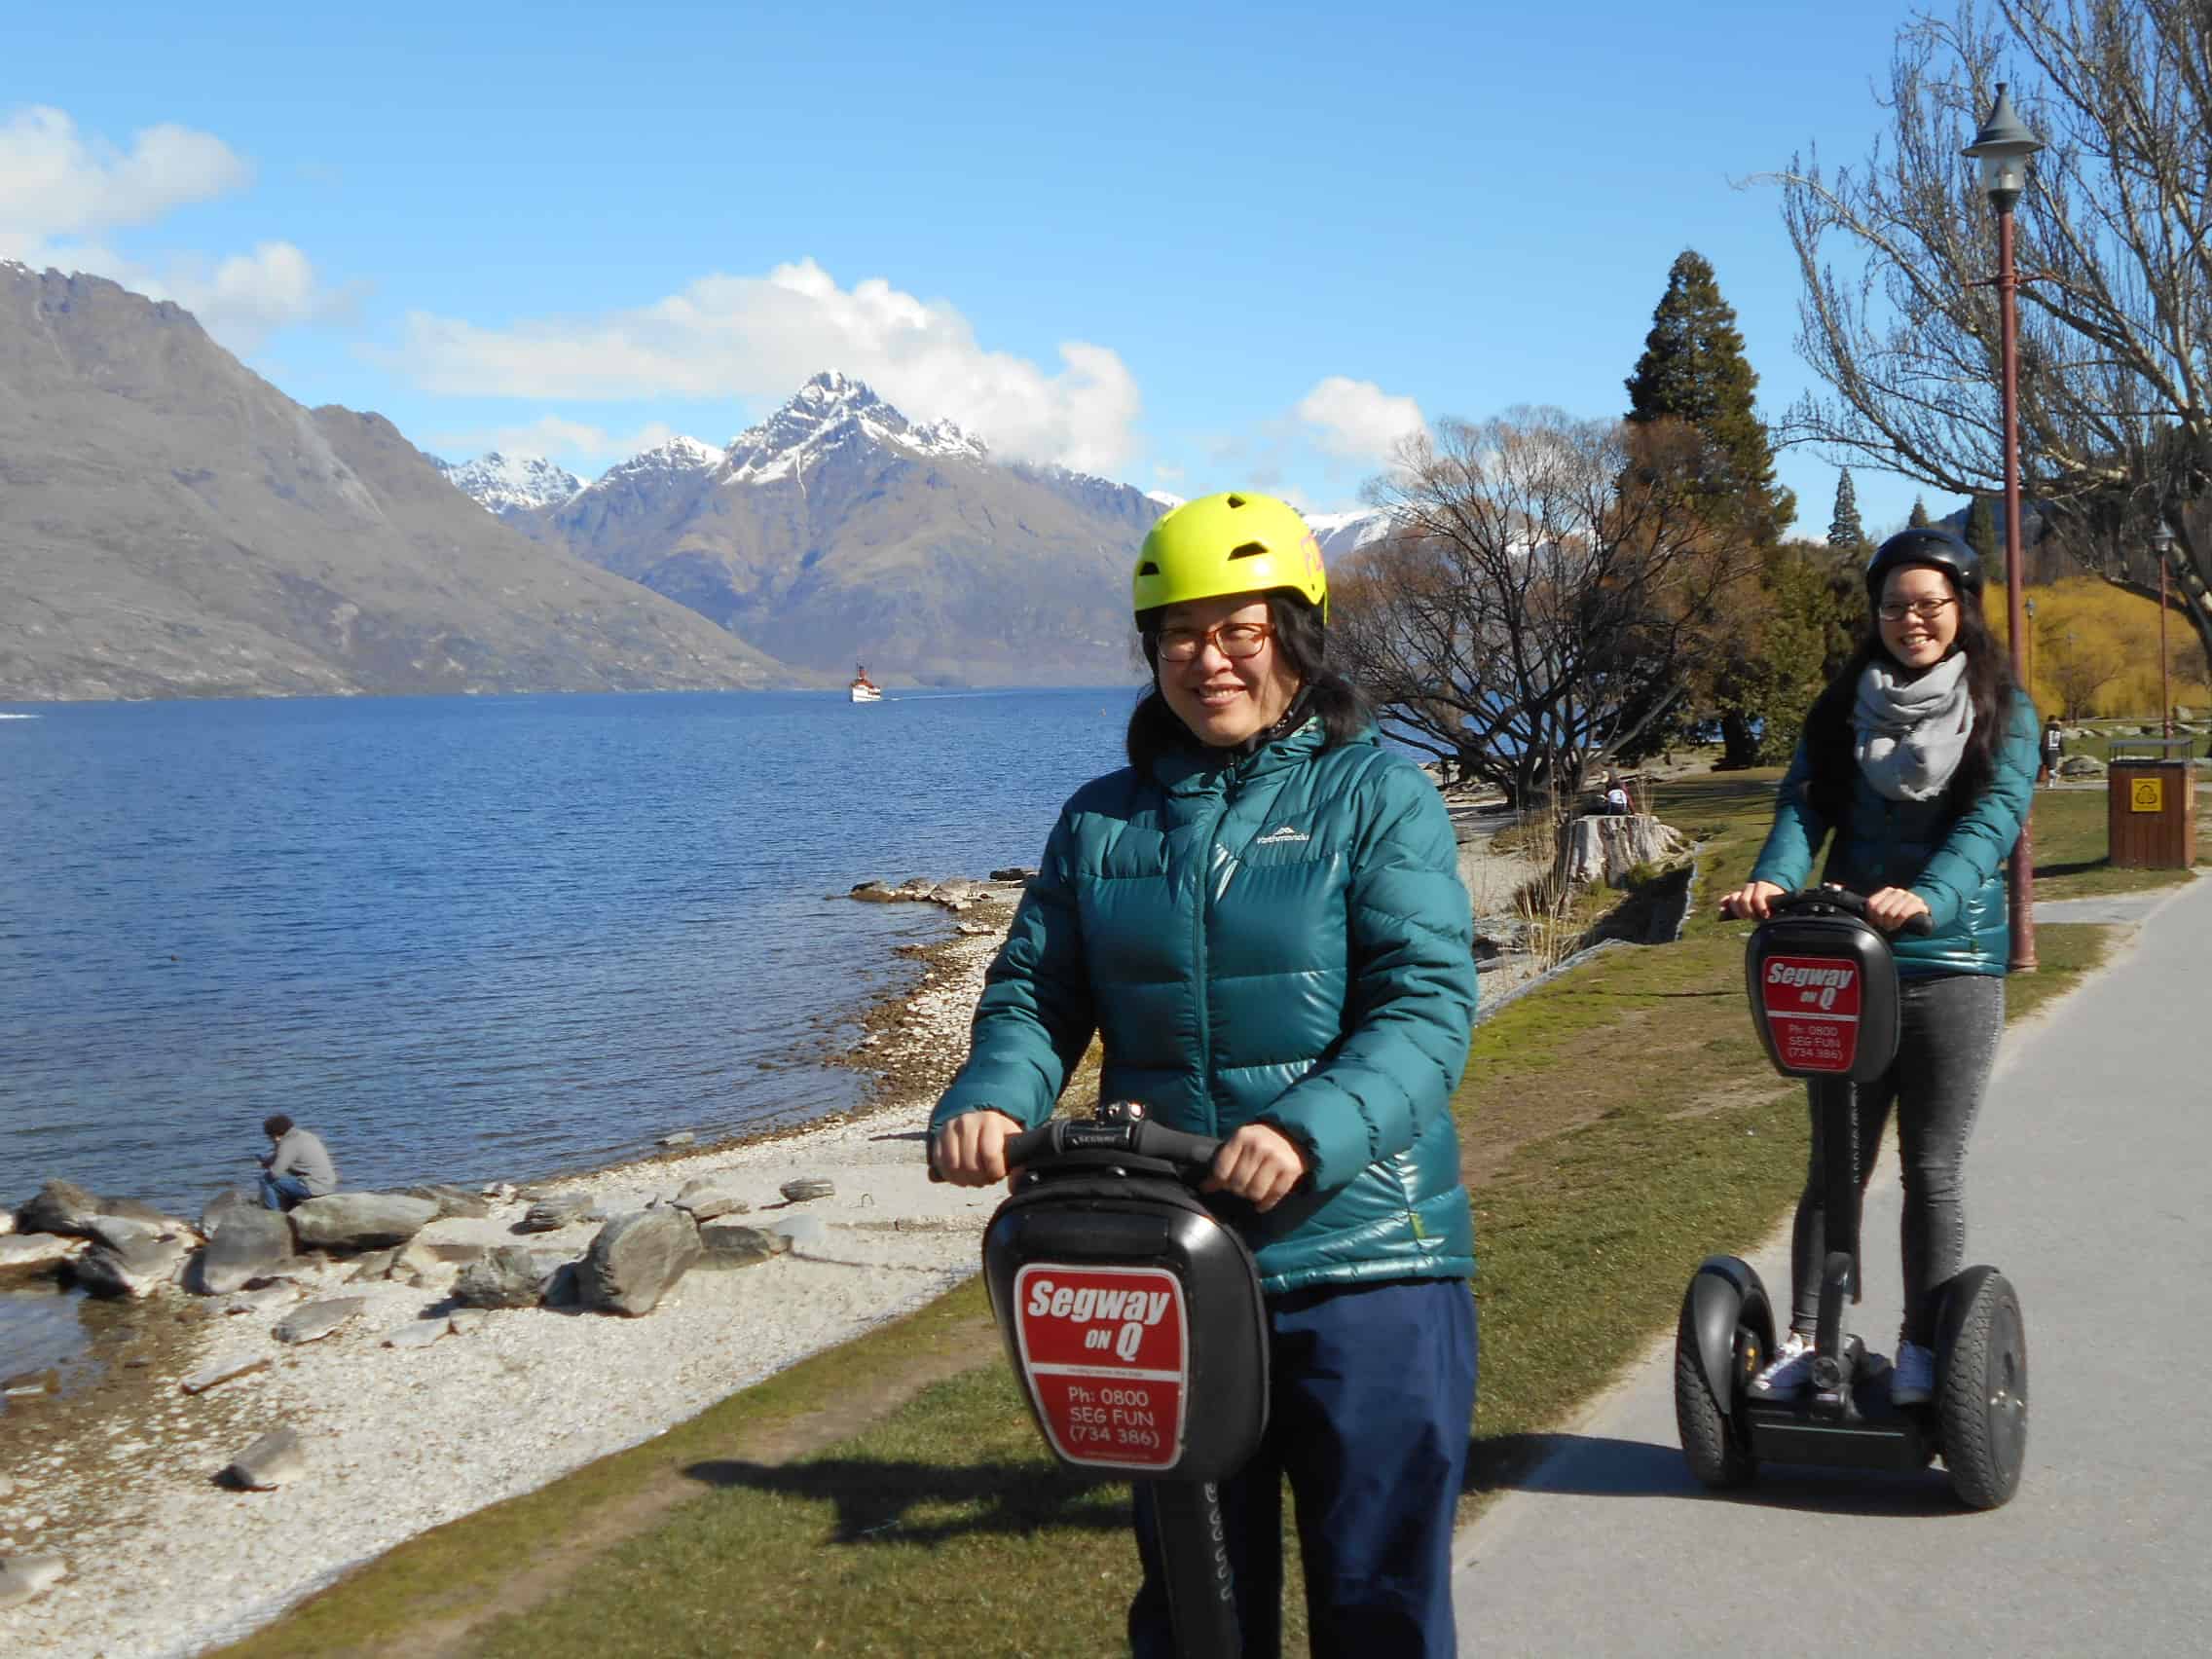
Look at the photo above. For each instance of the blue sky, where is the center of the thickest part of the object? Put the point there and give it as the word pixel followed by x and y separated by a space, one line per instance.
pixel 1191 251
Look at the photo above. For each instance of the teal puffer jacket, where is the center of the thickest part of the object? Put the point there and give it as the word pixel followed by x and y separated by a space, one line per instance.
pixel 1280 939
pixel 1955 866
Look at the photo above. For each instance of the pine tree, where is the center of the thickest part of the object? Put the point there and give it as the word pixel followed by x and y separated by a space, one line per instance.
pixel 1693 369
pixel 1981 531
pixel 1919 519
pixel 1845 530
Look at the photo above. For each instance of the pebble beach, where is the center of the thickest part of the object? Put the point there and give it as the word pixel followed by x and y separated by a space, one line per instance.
pixel 162 1560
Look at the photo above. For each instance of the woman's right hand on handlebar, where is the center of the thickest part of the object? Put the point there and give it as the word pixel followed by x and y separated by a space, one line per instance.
pixel 1751 900
pixel 971 1149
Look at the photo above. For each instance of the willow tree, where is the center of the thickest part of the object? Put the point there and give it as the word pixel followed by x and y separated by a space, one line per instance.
pixel 1899 322
pixel 1536 607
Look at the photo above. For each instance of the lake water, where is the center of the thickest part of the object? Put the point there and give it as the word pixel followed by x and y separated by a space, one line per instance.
pixel 473 938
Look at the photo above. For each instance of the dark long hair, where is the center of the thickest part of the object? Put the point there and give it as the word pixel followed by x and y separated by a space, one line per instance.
pixel 1829 737
pixel 1303 637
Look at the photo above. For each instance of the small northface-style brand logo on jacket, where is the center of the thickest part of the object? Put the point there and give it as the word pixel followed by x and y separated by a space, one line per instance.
pixel 1278 836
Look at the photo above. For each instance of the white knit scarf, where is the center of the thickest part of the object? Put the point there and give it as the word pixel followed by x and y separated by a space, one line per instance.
pixel 1911 732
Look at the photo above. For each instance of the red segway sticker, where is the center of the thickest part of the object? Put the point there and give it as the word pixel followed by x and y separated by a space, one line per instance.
pixel 1106 1353
pixel 1812 1011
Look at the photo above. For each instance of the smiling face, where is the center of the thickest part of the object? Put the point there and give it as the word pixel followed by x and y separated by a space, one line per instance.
pixel 1919 617
pixel 1225 700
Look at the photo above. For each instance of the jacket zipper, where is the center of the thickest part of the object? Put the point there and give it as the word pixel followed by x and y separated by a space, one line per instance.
pixel 1199 912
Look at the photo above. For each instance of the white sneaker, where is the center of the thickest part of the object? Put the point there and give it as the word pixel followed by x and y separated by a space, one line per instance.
pixel 1791 1368
pixel 1913 1380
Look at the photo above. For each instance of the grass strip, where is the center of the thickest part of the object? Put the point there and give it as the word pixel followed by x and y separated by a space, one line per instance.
pixel 1620 1124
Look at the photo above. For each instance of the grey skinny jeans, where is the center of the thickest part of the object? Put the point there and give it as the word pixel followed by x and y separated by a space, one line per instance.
pixel 1948 1027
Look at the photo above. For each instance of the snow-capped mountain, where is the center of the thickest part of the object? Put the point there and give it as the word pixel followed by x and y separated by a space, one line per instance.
pixel 504 483
pixel 830 413
pixel 1342 533
pixel 677 459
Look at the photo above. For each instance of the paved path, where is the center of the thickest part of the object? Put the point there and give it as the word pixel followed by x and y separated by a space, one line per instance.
pixel 2090 1183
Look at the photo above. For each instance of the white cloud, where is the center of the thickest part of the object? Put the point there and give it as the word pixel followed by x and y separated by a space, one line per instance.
pixel 55 182
pixel 756 337
pixel 59 189
pixel 1359 419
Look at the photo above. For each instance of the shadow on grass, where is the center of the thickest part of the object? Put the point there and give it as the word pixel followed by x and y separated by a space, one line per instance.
pixel 888 1501
pixel 1582 1465
pixel 2053 870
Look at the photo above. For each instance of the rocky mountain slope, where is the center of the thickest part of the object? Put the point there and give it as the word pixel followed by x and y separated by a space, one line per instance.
pixel 172 525
pixel 837 529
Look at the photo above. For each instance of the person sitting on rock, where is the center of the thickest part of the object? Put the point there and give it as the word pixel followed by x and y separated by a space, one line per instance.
pixel 1616 795
pixel 297 1164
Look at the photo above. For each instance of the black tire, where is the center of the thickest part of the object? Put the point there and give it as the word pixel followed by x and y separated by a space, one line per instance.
pixel 1982 1391
pixel 1716 1456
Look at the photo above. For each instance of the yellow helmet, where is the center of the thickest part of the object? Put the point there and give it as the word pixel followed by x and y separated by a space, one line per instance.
pixel 1235 543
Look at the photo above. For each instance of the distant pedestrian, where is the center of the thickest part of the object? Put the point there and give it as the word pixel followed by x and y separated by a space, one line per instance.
pixel 2046 771
pixel 1616 795
pixel 297 1164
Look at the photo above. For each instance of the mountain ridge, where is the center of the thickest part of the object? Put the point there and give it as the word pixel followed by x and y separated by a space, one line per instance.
pixel 172 525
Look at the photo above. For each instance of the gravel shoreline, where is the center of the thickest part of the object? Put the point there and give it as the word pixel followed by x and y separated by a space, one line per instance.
pixel 162 1561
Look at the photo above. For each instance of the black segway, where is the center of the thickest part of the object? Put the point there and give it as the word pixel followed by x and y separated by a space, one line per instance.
pixel 1134 1321
pixel 1823 990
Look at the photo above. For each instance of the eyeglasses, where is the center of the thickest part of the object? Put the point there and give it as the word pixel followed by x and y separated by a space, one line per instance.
pixel 1927 609
pixel 1237 641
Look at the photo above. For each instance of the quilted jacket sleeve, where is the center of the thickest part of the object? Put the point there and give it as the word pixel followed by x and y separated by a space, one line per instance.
pixel 1412 990
pixel 1035 1018
pixel 1982 836
pixel 1787 857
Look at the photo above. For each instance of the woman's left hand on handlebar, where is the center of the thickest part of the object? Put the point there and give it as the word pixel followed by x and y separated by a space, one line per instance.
pixel 1259 1164
pixel 971 1149
pixel 1891 907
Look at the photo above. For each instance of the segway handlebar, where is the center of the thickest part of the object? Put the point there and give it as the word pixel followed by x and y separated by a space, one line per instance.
pixel 1813 901
pixel 1120 1126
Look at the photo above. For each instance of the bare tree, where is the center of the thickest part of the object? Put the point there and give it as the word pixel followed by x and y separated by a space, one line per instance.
pixel 2114 246
pixel 1531 612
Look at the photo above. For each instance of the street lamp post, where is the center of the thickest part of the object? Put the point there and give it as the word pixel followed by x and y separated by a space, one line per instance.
pixel 2002 147
pixel 2161 544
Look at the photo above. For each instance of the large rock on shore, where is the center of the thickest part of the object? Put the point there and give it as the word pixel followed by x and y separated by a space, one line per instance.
pixel 550 1215
pixel 28 1251
pixel 318 1319
pixel 227 1203
pixel 453 1200
pixel 248 1245
pixel 272 1461
pixel 513 1275
pixel 60 1207
pixel 130 1258
pixel 636 1260
pixel 361 1221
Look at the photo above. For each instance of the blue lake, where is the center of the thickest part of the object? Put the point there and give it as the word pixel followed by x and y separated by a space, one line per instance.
pixel 473 938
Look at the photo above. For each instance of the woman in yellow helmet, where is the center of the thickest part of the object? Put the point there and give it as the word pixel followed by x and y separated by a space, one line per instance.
pixel 1262 918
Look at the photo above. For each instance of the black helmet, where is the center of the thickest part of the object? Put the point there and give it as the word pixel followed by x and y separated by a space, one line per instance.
pixel 1937 548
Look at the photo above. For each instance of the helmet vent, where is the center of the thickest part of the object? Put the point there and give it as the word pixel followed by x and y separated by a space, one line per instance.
pixel 1236 500
pixel 1150 567
pixel 1250 550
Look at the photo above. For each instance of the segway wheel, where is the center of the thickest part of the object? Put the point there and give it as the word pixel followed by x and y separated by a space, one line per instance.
pixel 1710 1447
pixel 1983 1389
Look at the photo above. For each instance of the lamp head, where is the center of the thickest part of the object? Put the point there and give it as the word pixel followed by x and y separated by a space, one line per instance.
pixel 2002 147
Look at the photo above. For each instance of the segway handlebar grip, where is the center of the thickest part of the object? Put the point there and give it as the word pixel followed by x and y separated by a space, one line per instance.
pixel 1142 1138
pixel 1843 900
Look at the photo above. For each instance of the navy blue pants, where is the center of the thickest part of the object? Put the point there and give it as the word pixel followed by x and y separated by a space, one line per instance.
pixel 1372 1397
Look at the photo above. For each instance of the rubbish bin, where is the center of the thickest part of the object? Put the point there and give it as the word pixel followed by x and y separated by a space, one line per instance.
pixel 2151 805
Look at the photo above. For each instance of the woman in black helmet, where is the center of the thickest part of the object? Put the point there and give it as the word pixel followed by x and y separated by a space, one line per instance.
pixel 1919 759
